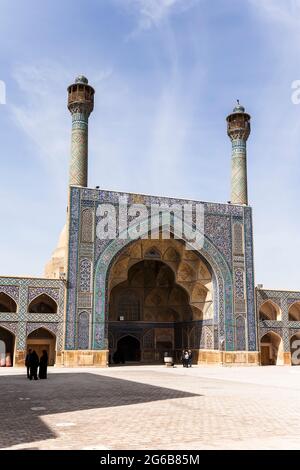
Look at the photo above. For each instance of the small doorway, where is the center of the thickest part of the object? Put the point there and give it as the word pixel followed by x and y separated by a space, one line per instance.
pixel 271 347
pixel 7 347
pixel 41 339
pixel 129 349
pixel 163 347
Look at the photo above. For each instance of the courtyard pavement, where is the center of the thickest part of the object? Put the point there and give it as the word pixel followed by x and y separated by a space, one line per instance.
pixel 151 407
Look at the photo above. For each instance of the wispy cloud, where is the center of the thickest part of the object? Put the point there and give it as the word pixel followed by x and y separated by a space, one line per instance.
pixel 42 113
pixel 275 159
pixel 286 12
pixel 150 13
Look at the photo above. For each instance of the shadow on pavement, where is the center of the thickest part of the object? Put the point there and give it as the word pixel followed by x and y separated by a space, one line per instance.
pixel 65 392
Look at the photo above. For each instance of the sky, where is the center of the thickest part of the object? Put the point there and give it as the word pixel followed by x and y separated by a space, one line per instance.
pixel 166 74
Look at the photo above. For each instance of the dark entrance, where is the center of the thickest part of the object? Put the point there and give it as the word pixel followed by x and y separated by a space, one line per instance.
pixel 7 346
pixel 129 349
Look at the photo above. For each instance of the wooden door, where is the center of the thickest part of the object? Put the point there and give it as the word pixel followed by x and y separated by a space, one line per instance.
pixel 265 355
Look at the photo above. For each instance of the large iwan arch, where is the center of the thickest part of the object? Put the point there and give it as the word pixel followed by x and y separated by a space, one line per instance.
pixel 222 315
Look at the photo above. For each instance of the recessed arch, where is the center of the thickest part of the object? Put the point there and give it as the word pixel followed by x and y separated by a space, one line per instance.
pixel 83 333
pixel 153 253
pixel 294 311
pixel 207 339
pixel 7 303
pixel 271 347
pixel 149 293
pixel 43 303
pixel 7 340
pixel 171 254
pixel 128 349
pixel 269 310
pixel 42 338
pixel 209 252
pixel 41 332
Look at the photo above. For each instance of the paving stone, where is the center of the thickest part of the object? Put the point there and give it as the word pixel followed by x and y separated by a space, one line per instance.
pixel 148 407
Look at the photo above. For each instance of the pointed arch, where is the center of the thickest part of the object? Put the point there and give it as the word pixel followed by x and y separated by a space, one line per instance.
pixel 42 338
pixel 207 339
pixel 153 253
pixel 7 328
pixel 7 344
pixel 129 348
pixel 269 310
pixel 171 254
pixel 294 311
pixel 210 253
pixel 41 332
pixel 271 346
pixel 43 303
pixel 7 303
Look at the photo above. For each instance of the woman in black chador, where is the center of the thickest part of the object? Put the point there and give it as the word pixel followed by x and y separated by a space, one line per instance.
pixel 43 365
pixel 33 365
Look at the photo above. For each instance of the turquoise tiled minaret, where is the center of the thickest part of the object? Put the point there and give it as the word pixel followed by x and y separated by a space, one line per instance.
pixel 238 129
pixel 80 105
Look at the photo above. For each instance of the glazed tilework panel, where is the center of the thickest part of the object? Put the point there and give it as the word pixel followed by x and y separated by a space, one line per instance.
pixel 52 327
pixel 85 275
pixel 7 316
pixel 209 252
pixel 148 339
pixel 74 231
pixel 239 284
pixel 219 219
pixel 27 289
pixel 249 272
pixel 10 326
pixel 84 300
pixel 79 150
pixel 43 317
pixel 34 292
pixel 238 242
pixel 87 226
pixel 218 230
pixel 83 331
pixel 12 291
pixel 240 333
pixel 285 328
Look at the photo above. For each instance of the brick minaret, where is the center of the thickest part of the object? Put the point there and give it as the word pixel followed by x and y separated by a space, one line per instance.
pixel 238 129
pixel 80 105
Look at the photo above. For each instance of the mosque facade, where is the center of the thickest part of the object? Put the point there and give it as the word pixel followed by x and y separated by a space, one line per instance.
pixel 137 276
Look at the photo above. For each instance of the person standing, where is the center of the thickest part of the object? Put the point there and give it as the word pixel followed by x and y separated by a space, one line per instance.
pixel 186 358
pixel 27 362
pixel 43 365
pixel 182 357
pixel 190 360
pixel 33 365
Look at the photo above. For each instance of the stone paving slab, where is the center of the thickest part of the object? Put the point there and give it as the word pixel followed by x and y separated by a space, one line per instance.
pixel 151 407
